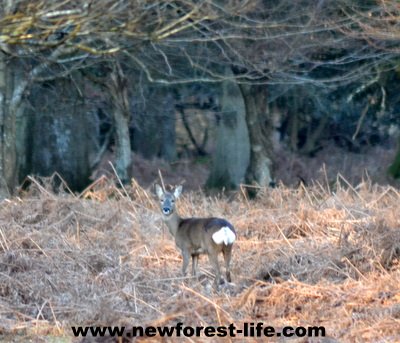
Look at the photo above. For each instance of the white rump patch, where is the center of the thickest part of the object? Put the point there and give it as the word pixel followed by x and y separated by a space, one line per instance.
pixel 224 235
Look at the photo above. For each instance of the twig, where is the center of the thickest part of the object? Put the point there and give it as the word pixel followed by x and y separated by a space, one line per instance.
pixel 55 318
pixel 216 306
pixel 284 237
pixel 119 180
pixel 326 178
pixel 356 269
pixel 41 188
pixel 161 180
pixel 360 121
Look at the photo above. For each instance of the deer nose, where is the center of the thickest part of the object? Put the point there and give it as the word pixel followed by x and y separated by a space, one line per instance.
pixel 166 210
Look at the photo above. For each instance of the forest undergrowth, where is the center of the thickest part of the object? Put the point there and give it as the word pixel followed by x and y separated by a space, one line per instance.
pixel 322 255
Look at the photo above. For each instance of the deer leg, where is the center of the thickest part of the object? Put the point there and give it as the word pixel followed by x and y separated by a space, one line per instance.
pixel 213 258
pixel 227 257
pixel 185 256
pixel 195 261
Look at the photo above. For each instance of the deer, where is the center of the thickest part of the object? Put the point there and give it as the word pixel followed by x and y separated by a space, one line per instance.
pixel 197 236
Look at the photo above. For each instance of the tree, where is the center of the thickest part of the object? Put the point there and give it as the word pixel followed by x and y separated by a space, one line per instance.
pixel 61 38
pixel 377 27
pixel 154 121
pixel 121 114
pixel 259 125
pixel 231 157
pixel 56 135
pixel 42 34
pixel 178 42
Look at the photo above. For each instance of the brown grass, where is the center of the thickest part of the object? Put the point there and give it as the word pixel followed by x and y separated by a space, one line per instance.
pixel 306 256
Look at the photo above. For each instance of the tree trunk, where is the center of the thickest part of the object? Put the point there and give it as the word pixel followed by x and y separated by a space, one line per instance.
pixel 168 124
pixel 8 133
pixel 314 136
pixel 155 134
pixel 146 137
pixel 123 145
pixel 231 155
pixel 121 116
pixel 14 81
pixel 394 168
pixel 260 128
pixel 58 138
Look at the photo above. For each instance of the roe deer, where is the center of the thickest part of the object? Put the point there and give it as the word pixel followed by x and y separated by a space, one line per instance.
pixel 195 236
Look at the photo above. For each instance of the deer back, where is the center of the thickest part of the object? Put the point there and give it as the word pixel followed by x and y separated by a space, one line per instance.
pixel 198 234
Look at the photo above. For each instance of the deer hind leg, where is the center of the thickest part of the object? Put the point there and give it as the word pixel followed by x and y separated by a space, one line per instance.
pixel 227 252
pixel 213 258
pixel 195 262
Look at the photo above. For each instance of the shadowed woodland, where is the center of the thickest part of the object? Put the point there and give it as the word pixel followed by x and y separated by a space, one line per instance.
pixel 281 116
pixel 249 89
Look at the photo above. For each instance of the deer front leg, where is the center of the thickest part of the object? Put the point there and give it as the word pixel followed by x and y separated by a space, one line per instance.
pixel 185 256
pixel 195 261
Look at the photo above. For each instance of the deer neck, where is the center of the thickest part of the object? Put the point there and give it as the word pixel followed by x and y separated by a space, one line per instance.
pixel 172 223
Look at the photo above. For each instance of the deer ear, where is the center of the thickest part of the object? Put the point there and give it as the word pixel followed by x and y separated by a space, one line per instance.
pixel 177 191
pixel 159 191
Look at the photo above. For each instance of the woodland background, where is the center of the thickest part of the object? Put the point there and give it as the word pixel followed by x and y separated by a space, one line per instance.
pixel 248 92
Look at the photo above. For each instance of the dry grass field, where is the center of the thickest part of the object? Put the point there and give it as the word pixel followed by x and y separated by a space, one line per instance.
pixel 315 256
